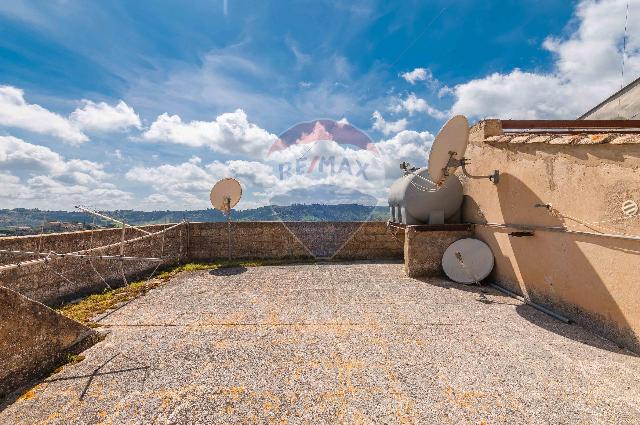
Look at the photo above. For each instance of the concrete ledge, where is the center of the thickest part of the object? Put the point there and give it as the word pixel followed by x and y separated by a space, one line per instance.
pixel 34 339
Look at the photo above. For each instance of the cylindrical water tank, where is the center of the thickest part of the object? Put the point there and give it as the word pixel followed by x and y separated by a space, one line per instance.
pixel 414 199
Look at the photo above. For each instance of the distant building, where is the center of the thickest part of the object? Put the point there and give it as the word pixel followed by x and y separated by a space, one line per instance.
pixel 622 105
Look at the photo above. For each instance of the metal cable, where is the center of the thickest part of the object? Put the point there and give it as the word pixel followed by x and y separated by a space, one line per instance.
pixel 624 49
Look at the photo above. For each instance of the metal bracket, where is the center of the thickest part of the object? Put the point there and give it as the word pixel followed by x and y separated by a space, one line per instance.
pixel 462 163
pixel 407 168
pixel 521 234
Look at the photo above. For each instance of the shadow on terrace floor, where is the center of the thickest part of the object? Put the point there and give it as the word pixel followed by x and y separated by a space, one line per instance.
pixel 228 271
pixel 571 331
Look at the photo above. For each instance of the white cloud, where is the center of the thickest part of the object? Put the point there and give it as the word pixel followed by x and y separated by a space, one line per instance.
pixel 103 117
pixel 18 155
pixel 36 176
pixel 418 74
pixel 11 186
pixel 188 184
pixel 445 91
pixel 413 104
pixel 229 133
pixel 586 70
pixel 387 127
pixel 406 146
pixel 302 58
pixel 17 113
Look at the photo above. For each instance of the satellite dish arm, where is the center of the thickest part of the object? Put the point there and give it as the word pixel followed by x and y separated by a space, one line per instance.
pixel 462 163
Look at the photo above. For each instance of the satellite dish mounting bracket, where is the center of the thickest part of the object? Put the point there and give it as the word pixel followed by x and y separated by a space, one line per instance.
pixel 407 168
pixel 462 162
pixel 227 205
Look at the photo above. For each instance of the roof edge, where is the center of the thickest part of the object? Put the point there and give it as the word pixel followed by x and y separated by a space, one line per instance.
pixel 614 96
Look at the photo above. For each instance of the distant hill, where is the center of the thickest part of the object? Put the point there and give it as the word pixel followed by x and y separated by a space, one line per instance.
pixel 296 212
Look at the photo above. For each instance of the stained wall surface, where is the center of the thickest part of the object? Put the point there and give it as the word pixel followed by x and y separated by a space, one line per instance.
pixel 591 279
pixel 34 339
pixel 57 279
pixel 423 250
pixel 62 279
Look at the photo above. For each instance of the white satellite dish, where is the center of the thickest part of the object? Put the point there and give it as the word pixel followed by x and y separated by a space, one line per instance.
pixel 448 149
pixel 226 194
pixel 467 261
pixel 451 142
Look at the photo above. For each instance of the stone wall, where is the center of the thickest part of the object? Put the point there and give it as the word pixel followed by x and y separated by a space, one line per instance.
pixel 57 279
pixel 591 279
pixel 424 247
pixel 34 339
pixel 293 240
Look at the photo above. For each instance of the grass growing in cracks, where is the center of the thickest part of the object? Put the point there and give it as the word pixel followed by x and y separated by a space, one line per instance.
pixel 87 308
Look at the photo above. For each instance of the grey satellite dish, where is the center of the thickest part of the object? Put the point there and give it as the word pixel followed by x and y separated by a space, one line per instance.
pixel 467 261
pixel 226 194
pixel 448 149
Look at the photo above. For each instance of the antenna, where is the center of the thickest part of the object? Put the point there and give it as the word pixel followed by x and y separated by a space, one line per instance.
pixel 226 194
pixel 448 149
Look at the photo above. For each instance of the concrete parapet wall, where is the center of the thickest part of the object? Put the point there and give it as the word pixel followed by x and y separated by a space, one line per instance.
pixel 259 240
pixel 61 279
pixel 34 339
pixel 278 240
pixel 591 279
pixel 57 279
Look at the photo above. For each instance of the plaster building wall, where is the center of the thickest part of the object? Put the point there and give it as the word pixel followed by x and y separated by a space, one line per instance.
pixel 591 279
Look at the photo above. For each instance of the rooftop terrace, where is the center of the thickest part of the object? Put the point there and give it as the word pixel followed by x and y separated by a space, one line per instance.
pixel 327 343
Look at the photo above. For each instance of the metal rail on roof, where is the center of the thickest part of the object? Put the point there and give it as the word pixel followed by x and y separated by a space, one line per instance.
pixel 571 126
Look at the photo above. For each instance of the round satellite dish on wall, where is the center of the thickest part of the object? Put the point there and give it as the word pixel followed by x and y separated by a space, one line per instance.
pixel 467 261
pixel 450 143
pixel 226 194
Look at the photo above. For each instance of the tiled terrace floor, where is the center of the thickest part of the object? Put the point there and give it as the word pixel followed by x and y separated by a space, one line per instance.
pixel 350 343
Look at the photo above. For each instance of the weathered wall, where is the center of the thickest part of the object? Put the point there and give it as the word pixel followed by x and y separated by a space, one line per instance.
pixel 259 240
pixel 61 279
pixel 591 279
pixel 278 240
pixel 423 250
pixel 34 339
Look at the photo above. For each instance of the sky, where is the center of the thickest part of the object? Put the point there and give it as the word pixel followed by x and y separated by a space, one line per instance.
pixel 146 104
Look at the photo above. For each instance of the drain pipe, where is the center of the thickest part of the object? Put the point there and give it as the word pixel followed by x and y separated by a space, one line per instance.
pixel 531 303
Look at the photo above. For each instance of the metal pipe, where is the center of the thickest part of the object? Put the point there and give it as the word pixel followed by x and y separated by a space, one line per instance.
pixel 559 230
pixel 531 303
pixel 113 220
pixel 122 239
pixel 74 254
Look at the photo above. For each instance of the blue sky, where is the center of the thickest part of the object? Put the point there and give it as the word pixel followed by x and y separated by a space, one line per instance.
pixel 146 104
